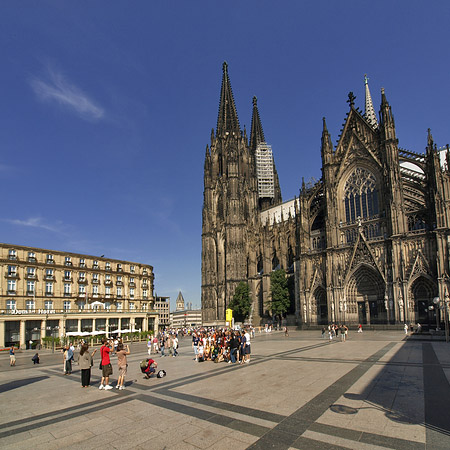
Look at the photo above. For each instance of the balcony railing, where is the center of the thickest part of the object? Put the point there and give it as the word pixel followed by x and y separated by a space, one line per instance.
pixel 48 312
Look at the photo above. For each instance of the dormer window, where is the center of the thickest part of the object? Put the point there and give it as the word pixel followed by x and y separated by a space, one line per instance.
pixel 82 262
pixel 12 254
pixel 95 265
pixel 31 257
pixel 108 266
pixel 119 267
pixel 68 261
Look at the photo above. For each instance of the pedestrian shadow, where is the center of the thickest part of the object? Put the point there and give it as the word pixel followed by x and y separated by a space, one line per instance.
pixel 401 386
pixel 20 383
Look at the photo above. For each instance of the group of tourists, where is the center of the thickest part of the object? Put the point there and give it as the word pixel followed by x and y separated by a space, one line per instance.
pixel 86 362
pixel 335 331
pixel 166 341
pixel 222 346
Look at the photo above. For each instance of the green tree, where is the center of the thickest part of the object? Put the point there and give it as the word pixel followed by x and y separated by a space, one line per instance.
pixel 279 303
pixel 241 303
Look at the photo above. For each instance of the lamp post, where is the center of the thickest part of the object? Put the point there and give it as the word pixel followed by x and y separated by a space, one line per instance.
pixel 437 302
pixel 446 312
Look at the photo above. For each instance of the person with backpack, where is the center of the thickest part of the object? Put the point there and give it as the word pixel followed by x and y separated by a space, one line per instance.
pixel 148 366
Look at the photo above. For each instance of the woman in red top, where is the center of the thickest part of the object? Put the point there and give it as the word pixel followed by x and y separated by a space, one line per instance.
pixel 106 364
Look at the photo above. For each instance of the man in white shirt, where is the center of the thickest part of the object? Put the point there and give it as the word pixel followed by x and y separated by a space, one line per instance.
pixel 247 346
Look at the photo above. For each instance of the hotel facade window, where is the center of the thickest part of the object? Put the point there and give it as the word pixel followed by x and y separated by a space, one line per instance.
pixel 48 305
pixel 67 289
pixel 41 286
pixel 49 288
pixel 11 286
pixel 10 305
pixel 30 287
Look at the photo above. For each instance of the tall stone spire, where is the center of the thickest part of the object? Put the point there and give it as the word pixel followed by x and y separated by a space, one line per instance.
pixel 227 120
pixel 256 133
pixel 369 110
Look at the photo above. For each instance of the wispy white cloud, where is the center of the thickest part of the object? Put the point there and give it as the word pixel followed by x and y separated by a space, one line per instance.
pixel 55 87
pixel 38 222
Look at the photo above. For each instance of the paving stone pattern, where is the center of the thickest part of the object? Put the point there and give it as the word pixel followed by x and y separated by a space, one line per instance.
pixel 299 392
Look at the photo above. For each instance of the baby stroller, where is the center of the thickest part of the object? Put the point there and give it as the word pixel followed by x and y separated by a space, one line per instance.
pixel 147 368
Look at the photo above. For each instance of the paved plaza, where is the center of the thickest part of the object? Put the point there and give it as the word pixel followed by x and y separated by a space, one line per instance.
pixel 299 392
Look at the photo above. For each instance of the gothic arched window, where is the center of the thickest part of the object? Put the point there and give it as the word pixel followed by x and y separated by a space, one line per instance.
pixel 360 195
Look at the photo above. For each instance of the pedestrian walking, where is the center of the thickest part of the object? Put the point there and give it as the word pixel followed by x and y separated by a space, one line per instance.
pixel 12 357
pixel 149 346
pixel 68 356
pixel 155 344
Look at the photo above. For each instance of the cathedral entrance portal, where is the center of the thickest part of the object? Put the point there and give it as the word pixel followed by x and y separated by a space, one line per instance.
pixel 362 315
pixel 423 293
pixel 322 308
pixel 365 297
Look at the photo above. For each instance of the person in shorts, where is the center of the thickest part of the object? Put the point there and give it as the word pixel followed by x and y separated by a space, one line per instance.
pixel 122 363
pixel 105 349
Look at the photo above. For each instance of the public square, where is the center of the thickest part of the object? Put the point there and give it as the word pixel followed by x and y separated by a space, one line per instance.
pixel 376 390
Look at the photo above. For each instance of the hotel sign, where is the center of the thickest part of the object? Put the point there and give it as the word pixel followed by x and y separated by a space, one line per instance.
pixel 31 311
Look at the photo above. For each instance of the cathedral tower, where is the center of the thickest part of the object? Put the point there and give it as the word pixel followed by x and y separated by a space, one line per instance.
pixel 230 206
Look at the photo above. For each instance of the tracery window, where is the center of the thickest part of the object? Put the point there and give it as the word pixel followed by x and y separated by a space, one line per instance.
pixel 360 195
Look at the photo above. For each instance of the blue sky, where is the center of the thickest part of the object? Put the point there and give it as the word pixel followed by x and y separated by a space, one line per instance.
pixel 106 108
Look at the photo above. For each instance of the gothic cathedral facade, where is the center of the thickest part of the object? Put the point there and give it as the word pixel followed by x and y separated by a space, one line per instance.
pixel 368 243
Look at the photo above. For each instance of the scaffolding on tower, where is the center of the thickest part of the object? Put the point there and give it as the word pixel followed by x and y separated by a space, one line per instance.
pixel 264 170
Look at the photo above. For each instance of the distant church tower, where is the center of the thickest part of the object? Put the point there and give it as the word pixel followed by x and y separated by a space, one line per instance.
pixel 180 302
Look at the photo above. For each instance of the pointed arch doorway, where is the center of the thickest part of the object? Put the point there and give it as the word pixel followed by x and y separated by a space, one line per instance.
pixel 365 297
pixel 320 297
pixel 422 293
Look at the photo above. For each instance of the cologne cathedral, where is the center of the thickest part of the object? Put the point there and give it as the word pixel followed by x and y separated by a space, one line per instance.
pixel 366 244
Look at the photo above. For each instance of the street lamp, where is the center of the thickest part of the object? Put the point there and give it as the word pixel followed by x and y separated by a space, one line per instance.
pixel 443 305
pixel 436 301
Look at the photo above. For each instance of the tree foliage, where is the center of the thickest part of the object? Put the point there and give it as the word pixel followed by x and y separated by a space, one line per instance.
pixel 241 303
pixel 279 303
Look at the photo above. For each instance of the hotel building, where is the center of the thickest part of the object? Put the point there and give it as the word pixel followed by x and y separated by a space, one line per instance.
pixel 45 293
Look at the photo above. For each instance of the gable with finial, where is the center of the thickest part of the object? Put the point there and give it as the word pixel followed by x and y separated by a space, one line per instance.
pixel 358 140
pixel 362 254
pixel 420 266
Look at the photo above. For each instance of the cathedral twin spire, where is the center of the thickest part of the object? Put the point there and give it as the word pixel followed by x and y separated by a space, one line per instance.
pixel 228 121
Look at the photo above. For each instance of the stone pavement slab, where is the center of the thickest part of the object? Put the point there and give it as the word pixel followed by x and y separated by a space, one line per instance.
pixel 299 392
